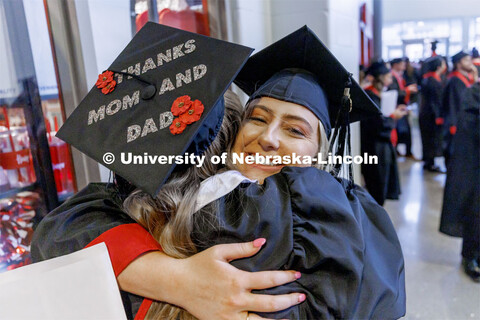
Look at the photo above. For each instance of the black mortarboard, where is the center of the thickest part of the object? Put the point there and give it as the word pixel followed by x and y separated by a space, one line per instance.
pixel 459 56
pixel 300 69
pixel 396 60
pixel 475 53
pixel 173 104
pixel 432 63
pixel 377 68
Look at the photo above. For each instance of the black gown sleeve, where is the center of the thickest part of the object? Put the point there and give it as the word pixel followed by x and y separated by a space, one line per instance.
pixel 376 128
pixel 402 94
pixel 452 99
pixel 436 99
pixel 461 200
pixel 92 216
pixel 73 225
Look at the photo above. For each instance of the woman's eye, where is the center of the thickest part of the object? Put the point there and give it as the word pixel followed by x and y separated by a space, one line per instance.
pixel 297 132
pixel 257 119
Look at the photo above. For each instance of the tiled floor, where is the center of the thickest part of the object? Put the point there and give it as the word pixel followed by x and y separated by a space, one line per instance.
pixel 437 288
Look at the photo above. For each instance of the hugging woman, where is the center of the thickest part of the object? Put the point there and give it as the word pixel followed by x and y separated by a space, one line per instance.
pixel 336 243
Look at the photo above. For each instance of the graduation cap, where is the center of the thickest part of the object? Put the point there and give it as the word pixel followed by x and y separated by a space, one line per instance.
pixel 432 63
pixel 300 69
pixel 459 56
pixel 377 68
pixel 475 53
pixel 161 97
pixel 396 60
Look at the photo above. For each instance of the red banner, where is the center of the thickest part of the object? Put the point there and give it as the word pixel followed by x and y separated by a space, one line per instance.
pixel 15 160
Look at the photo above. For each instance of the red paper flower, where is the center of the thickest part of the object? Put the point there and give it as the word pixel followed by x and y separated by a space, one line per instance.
pixel 180 105
pixel 193 113
pixel 109 87
pixel 177 126
pixel 104 79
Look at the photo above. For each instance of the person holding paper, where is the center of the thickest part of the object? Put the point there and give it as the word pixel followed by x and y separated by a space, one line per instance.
pixel 398 66
pixel 382 180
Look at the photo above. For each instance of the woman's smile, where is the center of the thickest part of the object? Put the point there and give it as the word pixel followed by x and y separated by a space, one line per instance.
pixel 275 128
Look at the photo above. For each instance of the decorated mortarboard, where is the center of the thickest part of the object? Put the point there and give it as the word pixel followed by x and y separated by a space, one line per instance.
pixel 377 68
pixel 459 56
pixel 162 97
pixel 300 69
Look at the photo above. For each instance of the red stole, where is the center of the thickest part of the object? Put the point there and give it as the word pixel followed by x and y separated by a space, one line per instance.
pixel 432 74
pixel 460 76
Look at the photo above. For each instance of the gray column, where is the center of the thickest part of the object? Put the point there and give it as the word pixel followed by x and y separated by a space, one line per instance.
pixel 68 55
pixel 377 28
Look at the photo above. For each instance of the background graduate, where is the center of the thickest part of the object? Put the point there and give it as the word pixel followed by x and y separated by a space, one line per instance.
pixel 431 123
pixel 476 59
pixel 382 180
pixel 461 200
pixel 405 92
pixel 458 82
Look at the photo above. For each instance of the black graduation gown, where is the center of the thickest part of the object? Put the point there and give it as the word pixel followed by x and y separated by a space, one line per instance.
pixel 431 133
pixel 451 106
pixel 461 201
pixel 413 78
pixel 89 215
pixel 403 126
pixel 381 180
pixel 96 211
pixel 344 244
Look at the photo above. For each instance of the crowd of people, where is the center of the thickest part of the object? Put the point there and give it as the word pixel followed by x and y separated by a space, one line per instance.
pixel 448 100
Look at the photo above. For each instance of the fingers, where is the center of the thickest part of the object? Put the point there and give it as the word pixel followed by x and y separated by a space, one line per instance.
pixel 269 279
pixel 233 251
pixel 269 303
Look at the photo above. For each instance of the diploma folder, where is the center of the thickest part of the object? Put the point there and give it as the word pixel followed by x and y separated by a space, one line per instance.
pixel 81 285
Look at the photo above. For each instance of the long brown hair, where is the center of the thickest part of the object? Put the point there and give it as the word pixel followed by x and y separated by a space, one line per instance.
pixel 169 216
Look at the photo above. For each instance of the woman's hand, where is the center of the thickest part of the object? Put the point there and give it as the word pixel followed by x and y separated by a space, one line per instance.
pixel 399 112
pixel 207 285
pixel 413 88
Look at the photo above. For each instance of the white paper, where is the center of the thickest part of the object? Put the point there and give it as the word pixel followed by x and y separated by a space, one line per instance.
pixel 81 285
pixel 389 102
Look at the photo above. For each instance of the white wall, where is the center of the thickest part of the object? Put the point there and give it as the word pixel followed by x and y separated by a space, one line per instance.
pixel 412 10
pixel 336 22
pixel 41 49
pixel 8 81
pixel 105 29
